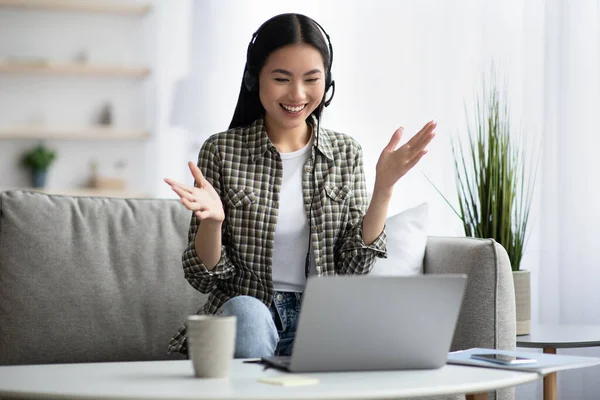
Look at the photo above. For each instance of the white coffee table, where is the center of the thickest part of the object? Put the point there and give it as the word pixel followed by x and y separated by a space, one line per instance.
pixel 553 337
pixel 175 380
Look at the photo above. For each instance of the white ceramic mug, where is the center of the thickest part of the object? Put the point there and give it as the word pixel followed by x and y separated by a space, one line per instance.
pixel 211 343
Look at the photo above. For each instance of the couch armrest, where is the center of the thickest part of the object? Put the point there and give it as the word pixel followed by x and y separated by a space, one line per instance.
pixel 487 317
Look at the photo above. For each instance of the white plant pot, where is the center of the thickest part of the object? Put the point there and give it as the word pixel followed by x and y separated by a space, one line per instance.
pixel 522 283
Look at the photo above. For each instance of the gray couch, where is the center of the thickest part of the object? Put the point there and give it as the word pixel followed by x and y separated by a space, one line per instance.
pixel 87 279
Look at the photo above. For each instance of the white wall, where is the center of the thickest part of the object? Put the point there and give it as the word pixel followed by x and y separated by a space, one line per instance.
pixel 172 60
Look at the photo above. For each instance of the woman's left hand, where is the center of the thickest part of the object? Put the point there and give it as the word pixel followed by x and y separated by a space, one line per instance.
pixel 394 164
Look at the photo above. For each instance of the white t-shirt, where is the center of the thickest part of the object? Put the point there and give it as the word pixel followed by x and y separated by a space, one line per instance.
pixel 291 233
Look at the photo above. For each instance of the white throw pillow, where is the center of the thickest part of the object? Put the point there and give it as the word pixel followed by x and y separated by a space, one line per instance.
pixel 406 240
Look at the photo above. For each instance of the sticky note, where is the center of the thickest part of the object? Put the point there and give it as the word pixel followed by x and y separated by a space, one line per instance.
pixel 289 380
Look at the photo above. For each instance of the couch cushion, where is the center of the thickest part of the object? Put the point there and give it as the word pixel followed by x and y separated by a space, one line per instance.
pixel 406 234
pixel 88 279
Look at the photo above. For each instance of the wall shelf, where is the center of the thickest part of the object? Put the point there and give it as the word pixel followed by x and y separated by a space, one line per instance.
pixel 56 63
pixel 85 6
pixel 85 133
pixel 72 69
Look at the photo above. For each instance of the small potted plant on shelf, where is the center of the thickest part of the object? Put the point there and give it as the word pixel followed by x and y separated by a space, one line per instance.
pixel 38 160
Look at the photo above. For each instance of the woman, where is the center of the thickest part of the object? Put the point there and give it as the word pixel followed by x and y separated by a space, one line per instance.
pixel 278 198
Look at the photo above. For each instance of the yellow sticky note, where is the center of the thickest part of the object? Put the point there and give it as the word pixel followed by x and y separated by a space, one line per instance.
pixel 289 380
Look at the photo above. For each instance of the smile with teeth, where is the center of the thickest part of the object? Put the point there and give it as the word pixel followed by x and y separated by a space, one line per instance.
pixel 293 110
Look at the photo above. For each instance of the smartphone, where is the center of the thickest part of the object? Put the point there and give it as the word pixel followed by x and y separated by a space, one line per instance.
pixel 503 359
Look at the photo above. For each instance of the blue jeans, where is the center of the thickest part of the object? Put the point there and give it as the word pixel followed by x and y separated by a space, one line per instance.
pixel 262 331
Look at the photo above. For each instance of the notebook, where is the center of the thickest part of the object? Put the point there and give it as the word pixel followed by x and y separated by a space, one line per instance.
pixel 367 323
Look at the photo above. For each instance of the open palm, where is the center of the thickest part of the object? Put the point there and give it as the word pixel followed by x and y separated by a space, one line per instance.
pixel 394 163
pixel 203 199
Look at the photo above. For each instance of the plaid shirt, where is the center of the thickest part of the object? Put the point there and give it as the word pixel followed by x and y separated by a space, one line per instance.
pixel 246 170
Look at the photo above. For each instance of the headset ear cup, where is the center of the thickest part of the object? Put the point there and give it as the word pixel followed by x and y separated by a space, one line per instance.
pixel 329 84
pixel 327 102
pixel 250 81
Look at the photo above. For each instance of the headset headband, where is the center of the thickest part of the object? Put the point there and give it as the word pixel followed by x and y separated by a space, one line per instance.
pixel 251 81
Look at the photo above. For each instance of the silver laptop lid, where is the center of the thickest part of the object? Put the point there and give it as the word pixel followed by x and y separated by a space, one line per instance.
pixel 361 323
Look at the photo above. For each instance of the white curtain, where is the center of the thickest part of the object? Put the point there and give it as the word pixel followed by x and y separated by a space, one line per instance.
pixel 568 273
pixel 569 263
pixel 405 62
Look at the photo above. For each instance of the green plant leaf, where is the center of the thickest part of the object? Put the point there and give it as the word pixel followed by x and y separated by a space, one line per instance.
pixel 494 179
pixel 39 158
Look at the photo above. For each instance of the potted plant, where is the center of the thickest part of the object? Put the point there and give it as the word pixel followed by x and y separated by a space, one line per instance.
pixel 39 160
pixel 495 180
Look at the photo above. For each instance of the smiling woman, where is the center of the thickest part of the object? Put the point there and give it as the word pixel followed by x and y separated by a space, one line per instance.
pixel 289 94
pixel 277 198
pixel 273 54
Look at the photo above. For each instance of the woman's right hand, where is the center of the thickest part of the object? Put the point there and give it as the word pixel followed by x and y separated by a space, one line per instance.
pixel 203 200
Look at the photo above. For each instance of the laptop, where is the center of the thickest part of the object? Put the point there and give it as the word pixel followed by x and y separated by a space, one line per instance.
pixel 371 323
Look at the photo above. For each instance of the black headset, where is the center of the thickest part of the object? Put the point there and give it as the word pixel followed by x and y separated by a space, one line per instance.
pixel 251 75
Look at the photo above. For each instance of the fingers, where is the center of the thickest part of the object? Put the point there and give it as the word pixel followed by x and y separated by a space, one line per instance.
pixel 183 194
pixel 201 213
pixel 422 138
pixel 197 174
pixel 190 204
pixel 190 196
pixel 171 182
pixel 391 146
pixel 200 210
pixel 425 135
pixel 198 178
pixel 410 164
pixel 180 186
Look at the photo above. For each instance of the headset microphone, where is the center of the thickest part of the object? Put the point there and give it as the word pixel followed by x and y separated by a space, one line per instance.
pixel 328 101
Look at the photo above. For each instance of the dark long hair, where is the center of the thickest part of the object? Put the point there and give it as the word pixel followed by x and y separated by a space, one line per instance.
pixel 279 31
